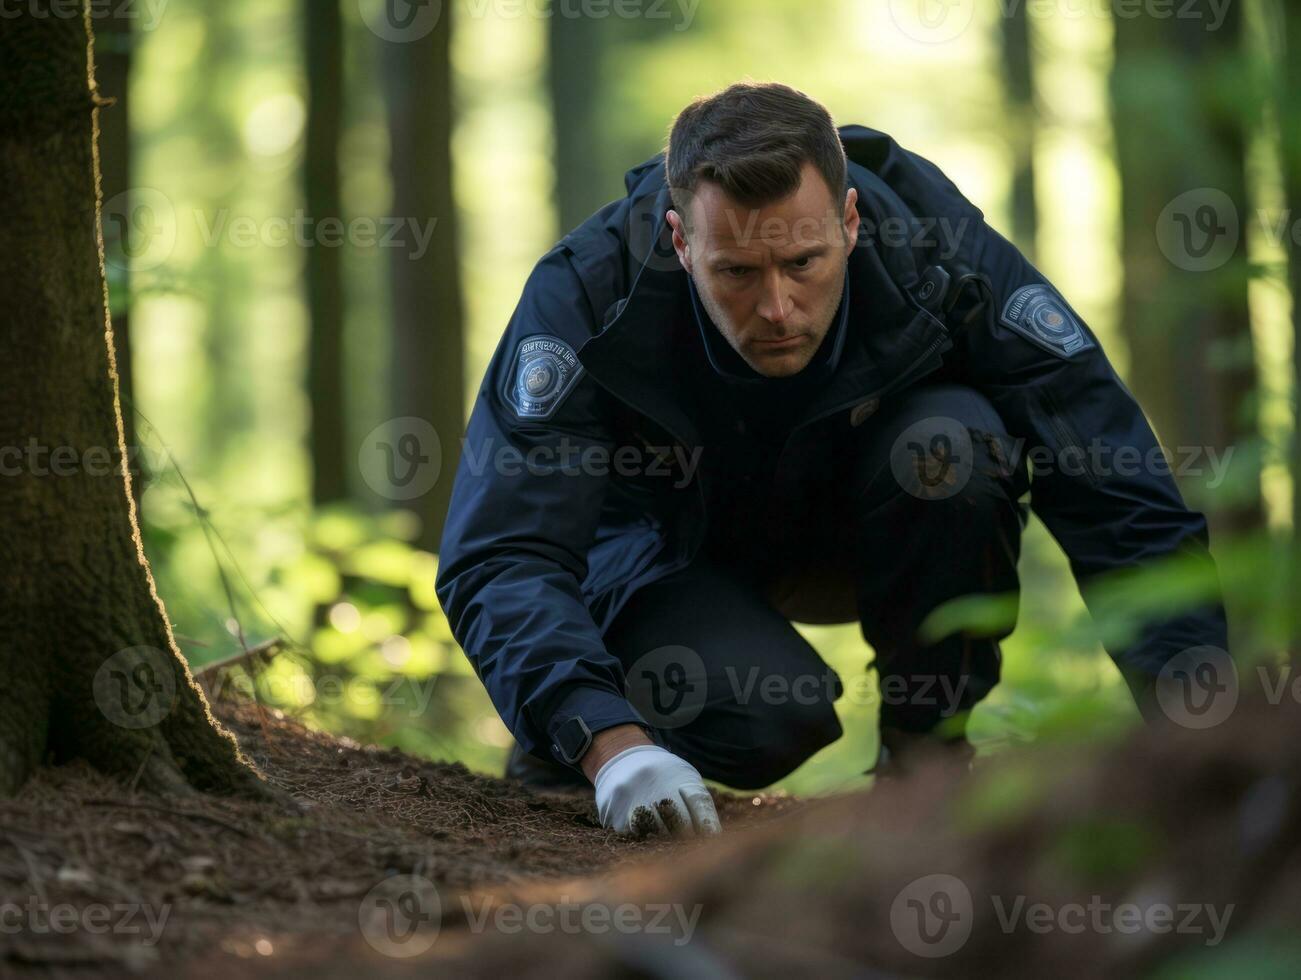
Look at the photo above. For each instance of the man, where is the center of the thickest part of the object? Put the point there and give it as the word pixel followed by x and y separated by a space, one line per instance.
pixel 777 384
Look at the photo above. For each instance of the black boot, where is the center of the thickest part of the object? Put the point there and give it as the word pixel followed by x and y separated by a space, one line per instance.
pixel 902 753
pixel 543 775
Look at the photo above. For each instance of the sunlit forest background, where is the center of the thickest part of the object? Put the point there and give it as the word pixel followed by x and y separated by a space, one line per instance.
pixel 278 318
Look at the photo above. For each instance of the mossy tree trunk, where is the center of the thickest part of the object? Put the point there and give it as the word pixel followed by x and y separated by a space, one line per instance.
pixel 89 664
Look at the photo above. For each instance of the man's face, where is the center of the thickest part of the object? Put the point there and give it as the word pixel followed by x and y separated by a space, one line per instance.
pixel 770 277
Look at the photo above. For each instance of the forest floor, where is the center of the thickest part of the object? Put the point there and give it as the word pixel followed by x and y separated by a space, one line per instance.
pixel 1038 864
pixel 192 882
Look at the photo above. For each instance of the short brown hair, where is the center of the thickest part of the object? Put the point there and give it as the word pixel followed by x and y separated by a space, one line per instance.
pixel 754 140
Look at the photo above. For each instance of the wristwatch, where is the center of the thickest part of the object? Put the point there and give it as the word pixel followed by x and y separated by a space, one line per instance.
pixel 573 739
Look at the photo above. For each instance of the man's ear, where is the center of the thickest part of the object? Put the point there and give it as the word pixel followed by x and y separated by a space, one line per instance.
pixel 680 239
pixel 851 220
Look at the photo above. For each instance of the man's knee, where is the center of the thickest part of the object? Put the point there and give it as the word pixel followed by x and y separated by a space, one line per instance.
pixel 776 724
pixel 787 740
pixel 765 770
pixel 945 446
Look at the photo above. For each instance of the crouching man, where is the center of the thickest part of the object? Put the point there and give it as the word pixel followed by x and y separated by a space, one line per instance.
pixel 792 376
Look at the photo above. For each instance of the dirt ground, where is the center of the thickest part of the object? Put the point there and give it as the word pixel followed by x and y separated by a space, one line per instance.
pixel 237 879
pixel 399 867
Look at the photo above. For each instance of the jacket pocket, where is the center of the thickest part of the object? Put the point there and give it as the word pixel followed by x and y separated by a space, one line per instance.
pixel 1070 455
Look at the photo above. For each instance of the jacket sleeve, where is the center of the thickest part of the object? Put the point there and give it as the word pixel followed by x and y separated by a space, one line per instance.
pixel 523 515
pixel 1100 481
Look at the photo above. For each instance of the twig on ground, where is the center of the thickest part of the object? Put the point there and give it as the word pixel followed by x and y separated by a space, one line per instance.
pixel 174 812
pixel 259 655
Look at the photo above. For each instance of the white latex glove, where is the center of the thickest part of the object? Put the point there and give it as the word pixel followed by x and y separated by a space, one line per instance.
pixel 630 785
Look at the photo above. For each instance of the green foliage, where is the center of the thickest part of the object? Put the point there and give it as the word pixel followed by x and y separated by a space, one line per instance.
pixel 1261 955
pixel 1100 850
pixel 371 656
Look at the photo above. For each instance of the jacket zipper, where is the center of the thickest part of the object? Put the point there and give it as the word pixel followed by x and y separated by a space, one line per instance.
pixel 1066 436
pixel 910 374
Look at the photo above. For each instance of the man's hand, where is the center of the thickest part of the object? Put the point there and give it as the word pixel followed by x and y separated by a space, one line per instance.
pixel 645 789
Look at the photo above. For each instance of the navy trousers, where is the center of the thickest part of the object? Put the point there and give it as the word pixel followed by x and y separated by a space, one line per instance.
pixel 921 505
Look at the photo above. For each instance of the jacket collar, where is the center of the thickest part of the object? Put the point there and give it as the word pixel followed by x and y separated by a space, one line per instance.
pixel 636 353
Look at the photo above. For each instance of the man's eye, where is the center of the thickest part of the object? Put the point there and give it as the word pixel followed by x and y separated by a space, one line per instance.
pixel 736 271
pixel 803 262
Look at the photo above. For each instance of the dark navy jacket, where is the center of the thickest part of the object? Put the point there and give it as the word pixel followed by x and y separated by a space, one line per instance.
pixel 576 485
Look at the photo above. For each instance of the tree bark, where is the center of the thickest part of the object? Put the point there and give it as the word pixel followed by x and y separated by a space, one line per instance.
pixel 90 665
pixel 113 75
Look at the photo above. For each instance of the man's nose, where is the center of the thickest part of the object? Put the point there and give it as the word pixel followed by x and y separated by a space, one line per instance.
pixel 773 305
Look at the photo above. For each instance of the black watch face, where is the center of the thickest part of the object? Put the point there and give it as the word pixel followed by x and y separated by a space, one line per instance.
pixel 572 739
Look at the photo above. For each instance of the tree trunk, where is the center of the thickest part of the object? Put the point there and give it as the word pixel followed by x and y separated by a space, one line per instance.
pixel 113 74
pixel 227 412
pixel 323 47
pixel 1178 93
pixel 90 665
pixel 428 367
pixel 1289 120
pixel 1018 84
pixel 575 45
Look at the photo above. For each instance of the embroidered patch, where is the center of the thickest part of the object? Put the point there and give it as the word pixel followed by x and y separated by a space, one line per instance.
pixel 1039 315
pixel 545 371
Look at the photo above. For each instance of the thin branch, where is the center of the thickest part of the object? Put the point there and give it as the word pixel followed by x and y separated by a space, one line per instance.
pixel 169 810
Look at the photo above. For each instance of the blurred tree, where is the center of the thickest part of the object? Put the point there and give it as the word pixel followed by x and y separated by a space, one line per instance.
pixel 1180 105
pixel 1288 103
pixel 1018 85
pixel 575 49
pixel 322 27
pixel 90 665
pixel 227 411
pixel 597 137
pixel 428 368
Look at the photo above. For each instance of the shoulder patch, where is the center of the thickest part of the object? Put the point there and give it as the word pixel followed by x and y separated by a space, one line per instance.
pixel 544 371
pixel 1039 315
